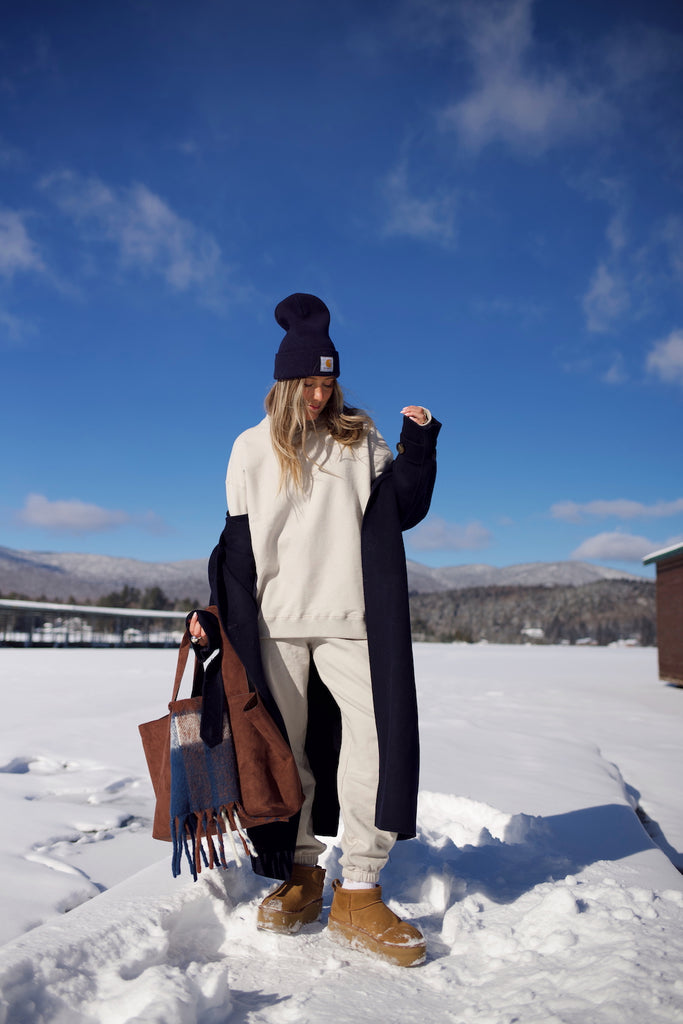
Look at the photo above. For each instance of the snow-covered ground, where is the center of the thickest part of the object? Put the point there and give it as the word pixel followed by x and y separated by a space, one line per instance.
pixel 542 896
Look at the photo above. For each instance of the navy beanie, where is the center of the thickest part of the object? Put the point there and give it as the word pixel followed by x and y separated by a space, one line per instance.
pixel 306 349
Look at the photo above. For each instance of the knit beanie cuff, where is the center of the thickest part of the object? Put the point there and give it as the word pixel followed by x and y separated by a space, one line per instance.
pixel 305 361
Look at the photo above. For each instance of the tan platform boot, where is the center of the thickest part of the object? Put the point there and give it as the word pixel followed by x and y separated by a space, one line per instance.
pixel 295 902
pixel 359 918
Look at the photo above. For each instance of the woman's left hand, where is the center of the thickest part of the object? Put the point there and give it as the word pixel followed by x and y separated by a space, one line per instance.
pixel 415 413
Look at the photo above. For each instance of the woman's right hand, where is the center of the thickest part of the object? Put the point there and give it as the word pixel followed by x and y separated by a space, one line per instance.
pixel 197 634
pixel 416 413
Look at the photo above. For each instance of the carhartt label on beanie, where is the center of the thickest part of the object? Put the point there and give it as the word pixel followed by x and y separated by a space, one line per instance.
pixel 306 349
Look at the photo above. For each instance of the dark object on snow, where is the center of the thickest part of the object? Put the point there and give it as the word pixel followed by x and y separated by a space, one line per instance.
pixel 669 564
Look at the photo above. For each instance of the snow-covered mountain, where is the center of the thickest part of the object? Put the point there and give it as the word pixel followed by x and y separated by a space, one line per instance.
pixel 425 580
pixel 61 575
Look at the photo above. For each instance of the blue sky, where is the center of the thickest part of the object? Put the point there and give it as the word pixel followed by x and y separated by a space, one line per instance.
pixel 486 194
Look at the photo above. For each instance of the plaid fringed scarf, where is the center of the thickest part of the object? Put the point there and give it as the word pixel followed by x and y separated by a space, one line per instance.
pixel 204 791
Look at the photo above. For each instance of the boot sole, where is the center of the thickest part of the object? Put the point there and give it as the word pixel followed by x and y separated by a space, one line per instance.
pixel 287 922
pixel 364 942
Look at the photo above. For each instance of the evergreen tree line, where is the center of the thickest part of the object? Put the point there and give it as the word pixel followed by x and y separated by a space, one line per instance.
pixel 149 598
pixel 604 611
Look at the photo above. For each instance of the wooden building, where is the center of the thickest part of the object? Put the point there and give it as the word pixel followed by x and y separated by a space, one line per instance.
pixel 669 563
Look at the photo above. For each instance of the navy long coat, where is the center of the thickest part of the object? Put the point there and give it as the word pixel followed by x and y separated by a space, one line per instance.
pixel 399 499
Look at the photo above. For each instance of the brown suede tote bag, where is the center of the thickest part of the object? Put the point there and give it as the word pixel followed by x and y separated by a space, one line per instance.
pixel 270 787
pixel 269 783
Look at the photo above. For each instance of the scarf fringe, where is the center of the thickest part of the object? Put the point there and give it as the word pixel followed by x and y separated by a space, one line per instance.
pixel 190 835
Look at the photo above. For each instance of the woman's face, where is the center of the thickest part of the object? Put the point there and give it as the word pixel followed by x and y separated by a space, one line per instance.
pixel 317 393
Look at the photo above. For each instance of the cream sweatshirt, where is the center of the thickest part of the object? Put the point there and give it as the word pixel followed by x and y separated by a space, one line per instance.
pixel 306 545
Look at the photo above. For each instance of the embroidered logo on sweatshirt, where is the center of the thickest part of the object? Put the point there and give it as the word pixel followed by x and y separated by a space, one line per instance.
pixel 326 364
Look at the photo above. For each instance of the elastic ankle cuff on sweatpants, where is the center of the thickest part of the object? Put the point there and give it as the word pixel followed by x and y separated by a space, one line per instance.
pixel 371 877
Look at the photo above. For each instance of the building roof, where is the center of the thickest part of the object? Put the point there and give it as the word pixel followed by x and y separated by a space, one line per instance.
pixel 658 556
pixel 90 609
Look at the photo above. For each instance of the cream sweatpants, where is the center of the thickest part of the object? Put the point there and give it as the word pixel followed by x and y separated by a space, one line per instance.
pixel 344 669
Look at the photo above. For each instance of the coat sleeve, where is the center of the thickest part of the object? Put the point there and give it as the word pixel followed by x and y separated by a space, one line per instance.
pixel 414 470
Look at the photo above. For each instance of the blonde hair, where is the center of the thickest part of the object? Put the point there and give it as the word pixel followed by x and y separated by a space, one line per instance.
pixel 289 427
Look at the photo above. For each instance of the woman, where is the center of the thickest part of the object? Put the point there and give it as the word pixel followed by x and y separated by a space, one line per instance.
pixel 317 505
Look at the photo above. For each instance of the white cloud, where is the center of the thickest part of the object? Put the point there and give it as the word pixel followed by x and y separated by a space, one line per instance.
pixel 606 299
pixel 148 234
pixel 437 534
pixel 14 328
pixel 666 358
pixel 17 250
pixel 512 101
pixel 615 374
pixel 622 508
pixel 616 547
pixel 617 232
pixel 429 219
pixel 188 147
pixel 74 516
pixel 531 90
pixel 609 295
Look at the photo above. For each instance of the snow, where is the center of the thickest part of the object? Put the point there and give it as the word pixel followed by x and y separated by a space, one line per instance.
pixel 542 896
